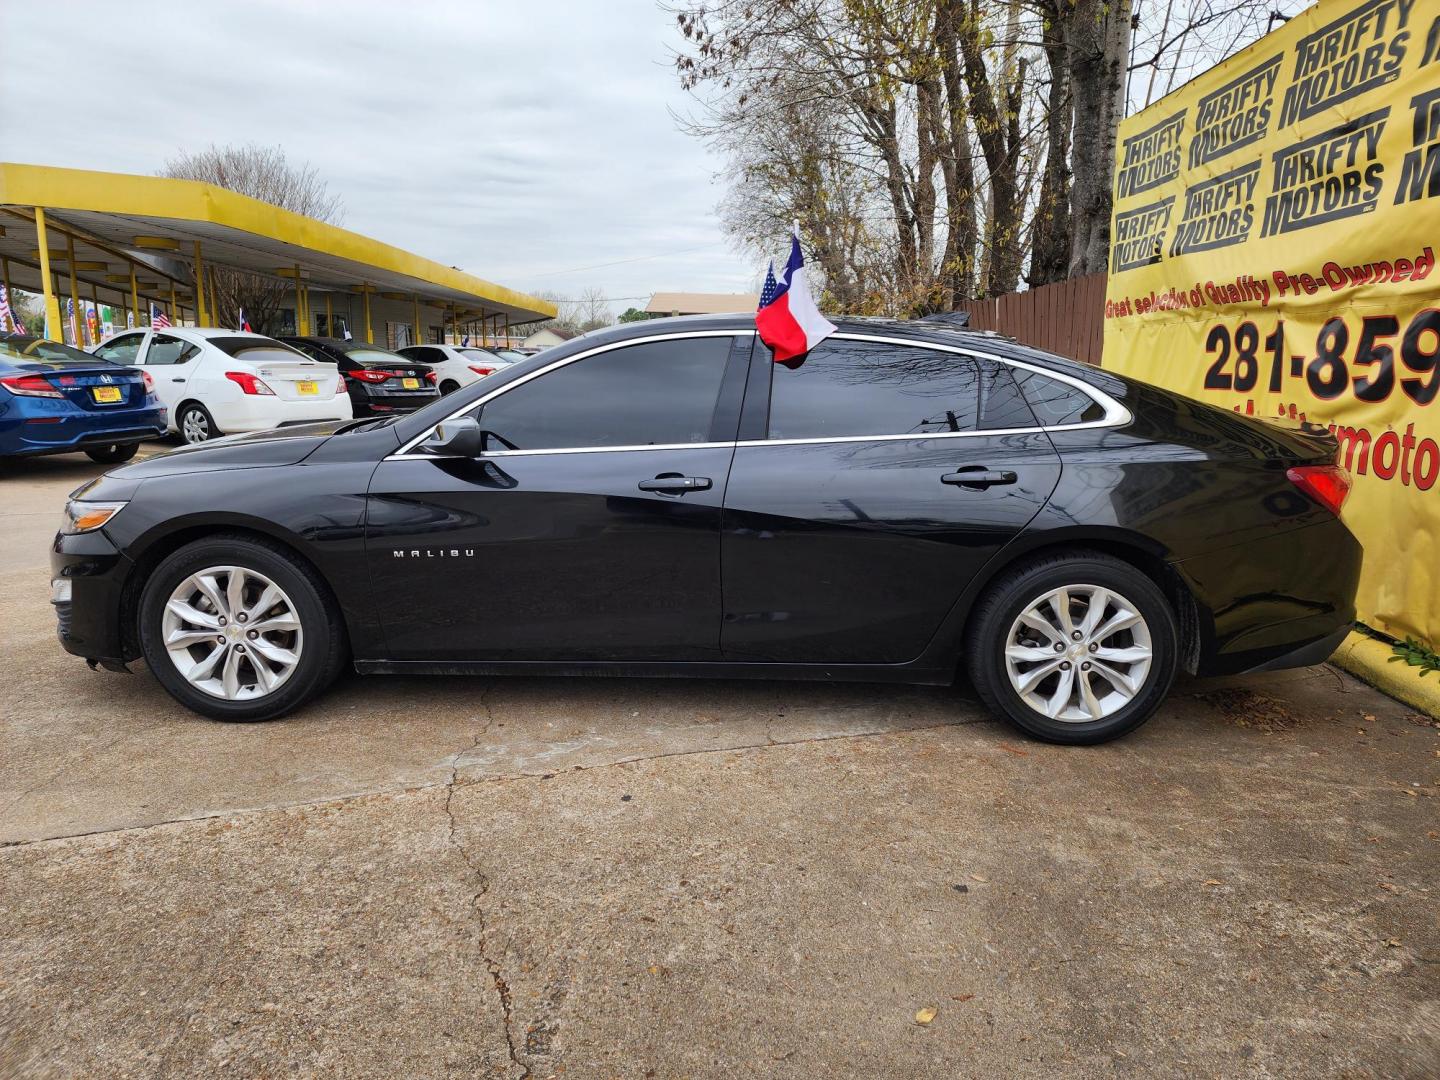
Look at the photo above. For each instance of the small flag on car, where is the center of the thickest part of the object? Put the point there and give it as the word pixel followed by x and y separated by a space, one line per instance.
pixel 788 320
pixel 244 322
pixel 158 319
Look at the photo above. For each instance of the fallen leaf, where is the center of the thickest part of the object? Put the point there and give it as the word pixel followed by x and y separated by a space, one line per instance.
pixel 1369 718
pixel 961 997
pixel 1393 943
pixel 925 1015
pixel 1213 881
pixel 979 878
pixel 1411 792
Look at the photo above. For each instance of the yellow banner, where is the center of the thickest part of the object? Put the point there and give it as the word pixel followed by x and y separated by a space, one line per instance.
pixel 1273 250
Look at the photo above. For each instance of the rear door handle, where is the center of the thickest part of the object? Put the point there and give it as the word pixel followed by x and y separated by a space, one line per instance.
pixel 177 380
pixel 675 484
pixel 978 477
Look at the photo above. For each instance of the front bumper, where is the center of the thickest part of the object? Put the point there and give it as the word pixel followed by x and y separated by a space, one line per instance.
pixel 90 623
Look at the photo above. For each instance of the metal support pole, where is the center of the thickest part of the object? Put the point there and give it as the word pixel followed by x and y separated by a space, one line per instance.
pixel 52 305
pixel 214 305
pixel 5 280
pixel 329 317
pixel 134 296
pixel 415 332
pixel 175 312
pixel 199 286
pixel 369 326
pixel 74 293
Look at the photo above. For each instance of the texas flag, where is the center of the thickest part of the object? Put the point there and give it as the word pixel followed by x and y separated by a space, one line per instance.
pixel 244 322
pixel 788 320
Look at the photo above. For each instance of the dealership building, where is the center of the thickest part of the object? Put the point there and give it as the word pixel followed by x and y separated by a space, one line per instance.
pixel 132 245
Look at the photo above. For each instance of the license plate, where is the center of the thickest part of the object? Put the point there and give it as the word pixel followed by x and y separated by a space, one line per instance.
pixel 410 384
pixel 307 387
pixel 107 395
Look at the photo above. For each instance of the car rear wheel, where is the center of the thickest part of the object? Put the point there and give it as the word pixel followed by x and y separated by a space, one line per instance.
pixel 195 423
pixel 239 629
pixel 1076 648
pixel 449 386
pixel 112 454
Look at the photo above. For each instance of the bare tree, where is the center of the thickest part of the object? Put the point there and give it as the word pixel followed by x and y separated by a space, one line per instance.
pixel 928 147
pixel 264 173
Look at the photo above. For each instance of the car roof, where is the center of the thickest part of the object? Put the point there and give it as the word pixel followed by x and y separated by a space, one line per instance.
pixel 935 332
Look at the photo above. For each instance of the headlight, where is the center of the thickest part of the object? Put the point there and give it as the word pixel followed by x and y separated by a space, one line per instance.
pixel 82 517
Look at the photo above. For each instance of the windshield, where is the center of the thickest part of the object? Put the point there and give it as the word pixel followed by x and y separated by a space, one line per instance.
pixel 257 350
pixel 31 350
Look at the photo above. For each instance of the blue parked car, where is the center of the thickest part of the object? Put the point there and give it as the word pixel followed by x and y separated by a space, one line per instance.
pixel 59 400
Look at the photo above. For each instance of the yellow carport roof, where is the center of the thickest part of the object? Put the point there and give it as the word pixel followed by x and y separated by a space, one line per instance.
pixel 113 217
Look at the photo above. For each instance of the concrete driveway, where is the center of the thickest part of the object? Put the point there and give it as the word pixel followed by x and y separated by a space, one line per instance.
pixel 591 878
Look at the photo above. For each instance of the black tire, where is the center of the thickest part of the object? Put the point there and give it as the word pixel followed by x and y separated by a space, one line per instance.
pixel 202 424
pixel 324 649
pixel 112 454
pixel 1015 591
pixel 449 386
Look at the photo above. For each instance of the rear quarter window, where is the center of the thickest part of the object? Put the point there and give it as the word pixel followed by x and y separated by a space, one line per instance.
pixel 1057 403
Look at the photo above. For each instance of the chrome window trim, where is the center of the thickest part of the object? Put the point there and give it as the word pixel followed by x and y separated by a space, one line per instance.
pixel 1116 414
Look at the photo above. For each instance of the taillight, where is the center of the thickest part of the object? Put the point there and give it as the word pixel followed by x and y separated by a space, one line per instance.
pixel 149 382
pixel 30 386
pixel 340 387
pixel 430 377
pixel 1326 484
pixel 251 384
pixel 368 375
pixel 481 371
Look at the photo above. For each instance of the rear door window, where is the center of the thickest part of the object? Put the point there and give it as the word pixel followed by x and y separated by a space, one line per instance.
pixel 856 388
pixel 166 350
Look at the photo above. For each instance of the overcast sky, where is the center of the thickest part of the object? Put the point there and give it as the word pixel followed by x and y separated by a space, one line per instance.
pixel 526 142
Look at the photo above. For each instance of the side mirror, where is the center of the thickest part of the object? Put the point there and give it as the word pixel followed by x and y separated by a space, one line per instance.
pixel 461 437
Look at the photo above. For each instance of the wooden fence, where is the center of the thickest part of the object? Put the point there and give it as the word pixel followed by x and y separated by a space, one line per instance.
pixel 1066 318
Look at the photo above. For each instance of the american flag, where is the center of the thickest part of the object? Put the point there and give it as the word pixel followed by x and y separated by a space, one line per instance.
pixel 70 318
pixel 158 319
pixel 7 315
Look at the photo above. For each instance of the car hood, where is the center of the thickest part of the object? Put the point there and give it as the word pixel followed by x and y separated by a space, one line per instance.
pixel 282 446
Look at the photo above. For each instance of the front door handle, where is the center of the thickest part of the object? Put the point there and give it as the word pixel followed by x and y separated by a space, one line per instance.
pixel 978 477
pixel 675 484
pixel 177 380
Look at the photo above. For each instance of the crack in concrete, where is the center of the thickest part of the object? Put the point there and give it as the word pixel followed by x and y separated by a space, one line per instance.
pixel 504 778
pixel 482 882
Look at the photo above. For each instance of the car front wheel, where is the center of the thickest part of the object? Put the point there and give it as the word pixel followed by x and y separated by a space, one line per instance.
pixel 1074 648
pixel 239 629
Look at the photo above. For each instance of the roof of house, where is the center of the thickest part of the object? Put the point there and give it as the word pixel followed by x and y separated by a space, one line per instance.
pixel 692 303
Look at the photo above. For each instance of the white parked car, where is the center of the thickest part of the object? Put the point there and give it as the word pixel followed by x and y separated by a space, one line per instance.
pixel 218 382
pixel 456 365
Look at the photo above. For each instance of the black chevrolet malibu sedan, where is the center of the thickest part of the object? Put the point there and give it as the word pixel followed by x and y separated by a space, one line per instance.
pixel 379 381
pixel 910 502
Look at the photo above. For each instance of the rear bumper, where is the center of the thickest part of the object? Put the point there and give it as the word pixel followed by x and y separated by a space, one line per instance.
pixel 64 434
pixel 258 413
pixel 1285 601
pixel 89 625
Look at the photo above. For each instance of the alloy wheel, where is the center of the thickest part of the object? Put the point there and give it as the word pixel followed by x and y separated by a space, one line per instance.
pixel 1078 653
pixel 232 633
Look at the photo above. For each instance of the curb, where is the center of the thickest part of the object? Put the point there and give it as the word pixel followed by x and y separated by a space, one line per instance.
pixel 1369 661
